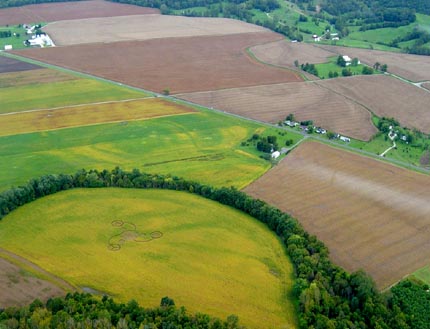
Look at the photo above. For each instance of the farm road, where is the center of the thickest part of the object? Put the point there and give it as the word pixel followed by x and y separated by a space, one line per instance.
pixel 177 100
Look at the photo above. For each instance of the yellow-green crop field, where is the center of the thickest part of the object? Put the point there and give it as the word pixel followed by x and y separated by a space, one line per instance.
pixel 200 146
pixel 146 244
pixel 84 115
pixel 42 95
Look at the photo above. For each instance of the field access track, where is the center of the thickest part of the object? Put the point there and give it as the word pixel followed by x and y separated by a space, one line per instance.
pixel 387 96
pixel 307 101
pixel 51 12
pixel 84 115
pixel 142 27
pixel 178 64
pixel 377 220
pixel 412 67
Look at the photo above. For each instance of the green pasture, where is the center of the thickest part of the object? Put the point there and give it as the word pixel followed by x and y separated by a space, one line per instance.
pixel 203 146
pixel 63 93
pixel 17 41
pixel 207 257
pixel 423 274
pixel 325 68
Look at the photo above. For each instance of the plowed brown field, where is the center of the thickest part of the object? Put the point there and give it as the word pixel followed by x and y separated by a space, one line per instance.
pixel 51 12
pixel 412 67
pixel 142 27
pixel 307 101
pixel 180 64
pixel 284 53
pixel 18 288
pixel 371 215
pixel 387 96
pixel 12 65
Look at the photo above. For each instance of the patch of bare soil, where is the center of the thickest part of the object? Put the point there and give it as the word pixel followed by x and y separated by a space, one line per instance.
pixel 18 287
pixel 12 65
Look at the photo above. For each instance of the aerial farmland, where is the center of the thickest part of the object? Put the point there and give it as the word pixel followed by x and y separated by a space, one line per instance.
pixel 146 158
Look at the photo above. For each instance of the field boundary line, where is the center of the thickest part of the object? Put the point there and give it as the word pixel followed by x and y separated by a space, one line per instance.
pixel 36 269
pixel 76 105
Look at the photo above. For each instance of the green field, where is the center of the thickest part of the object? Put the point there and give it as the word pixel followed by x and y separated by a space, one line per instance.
pixel 325 68
pixel 203 146
pixel 206 256
pixel 17 41
pixel 423 274
pixel 63 93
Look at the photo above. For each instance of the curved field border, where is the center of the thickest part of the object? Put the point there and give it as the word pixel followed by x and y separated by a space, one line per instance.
pixel 316 275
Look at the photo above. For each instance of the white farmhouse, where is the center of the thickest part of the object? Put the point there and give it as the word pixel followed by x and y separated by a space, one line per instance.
pixel 276 154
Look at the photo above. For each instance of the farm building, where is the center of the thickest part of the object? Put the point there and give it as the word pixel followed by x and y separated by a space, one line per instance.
pixel 347 60
pixel 8 47
pixel 276 154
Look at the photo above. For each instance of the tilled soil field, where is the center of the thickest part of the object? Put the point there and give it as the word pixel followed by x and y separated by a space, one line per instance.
pixel 20 287
pixel 8 65
pixel 142 27
pixel 307 101
pixel 387 96
pixel 371 215
pixel 284 53
pixel 412 67
pixel 178 64
pixel 426 85
pixel 51 12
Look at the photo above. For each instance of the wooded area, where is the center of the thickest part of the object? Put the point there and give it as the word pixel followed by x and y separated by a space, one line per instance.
pixel 328 296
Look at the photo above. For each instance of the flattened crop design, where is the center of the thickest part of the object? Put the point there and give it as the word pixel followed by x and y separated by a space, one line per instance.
pixel 129 232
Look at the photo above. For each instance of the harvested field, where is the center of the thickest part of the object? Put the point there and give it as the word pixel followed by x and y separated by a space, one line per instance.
pixel 179 64
pixel 284 53
pixel 143 27
pixel 426 85
pixel 19 287
pixel 51 12
pixel 38 76
pixel 411 67
pixel 122 111
pixel 371 215
pixel 387 96
pixel 307 101
pixel 12 65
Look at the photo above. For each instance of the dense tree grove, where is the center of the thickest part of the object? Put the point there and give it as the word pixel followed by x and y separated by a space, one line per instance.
pixel 414 299
pixel 17 3
pixel 328 296
pixel 84 311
